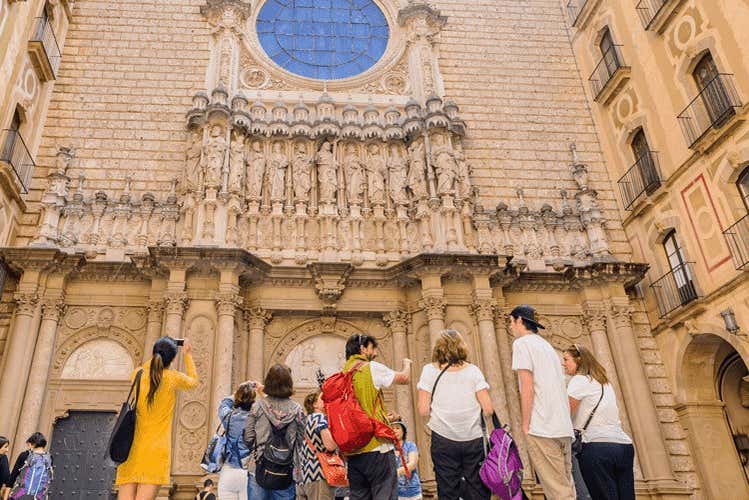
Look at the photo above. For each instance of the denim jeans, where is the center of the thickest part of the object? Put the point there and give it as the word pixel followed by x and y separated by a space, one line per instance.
pixel 608 470
pixel 256 492
pixel 456 467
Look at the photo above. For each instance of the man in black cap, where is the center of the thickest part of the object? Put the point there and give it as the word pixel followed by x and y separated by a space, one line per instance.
pixel 544 405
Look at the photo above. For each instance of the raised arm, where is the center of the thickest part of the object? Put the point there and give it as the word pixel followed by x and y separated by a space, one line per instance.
pixel 403 377
pixel 189 379
pixel 526 398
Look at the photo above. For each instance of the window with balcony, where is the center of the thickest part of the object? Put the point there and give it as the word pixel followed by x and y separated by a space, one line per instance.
pixel 16 155
pixel 737 235
pixel 715 104
pixel 608 74
pixel 43 47
pixel 656 15
pixel 644 176
pixel 675 288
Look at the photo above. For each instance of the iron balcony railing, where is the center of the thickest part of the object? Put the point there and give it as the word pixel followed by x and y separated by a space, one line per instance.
pixel 737 237
pixel 675 288
pixel 713 106
pixel 16 154
pixel 610 62
pixel 648 10
pixel 46 36
pixel 574 7
pixel 643 176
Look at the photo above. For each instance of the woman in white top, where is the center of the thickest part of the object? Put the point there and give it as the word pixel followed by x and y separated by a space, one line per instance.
pixel 607 457
pixel 454 405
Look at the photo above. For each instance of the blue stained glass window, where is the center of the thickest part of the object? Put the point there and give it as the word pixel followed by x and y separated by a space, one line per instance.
pixel 323 39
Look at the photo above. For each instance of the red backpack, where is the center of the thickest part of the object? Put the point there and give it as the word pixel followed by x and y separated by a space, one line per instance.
pixel 352 428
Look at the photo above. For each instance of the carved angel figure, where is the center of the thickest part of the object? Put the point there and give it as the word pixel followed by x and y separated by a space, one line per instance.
pixel 302 167
pixel 443 160
pixel 416 169
pixel 255 171
pixel 376 172
pixel 193 167
pixel 236 163
pixel 327 175
pixel 215 151
pixel 397 175
pixel 278 163
pixel 352 167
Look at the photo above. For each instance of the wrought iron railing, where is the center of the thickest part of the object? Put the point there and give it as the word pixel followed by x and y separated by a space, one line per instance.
pixel 46 36
pixel 574 7
pixel 675 288
pixel 610 62
pixel 737 237
pixel 648 10
pixel 16 154
pixel 713 106
pixel 644 175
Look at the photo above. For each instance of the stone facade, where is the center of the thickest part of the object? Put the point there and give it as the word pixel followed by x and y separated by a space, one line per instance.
pixel 186 185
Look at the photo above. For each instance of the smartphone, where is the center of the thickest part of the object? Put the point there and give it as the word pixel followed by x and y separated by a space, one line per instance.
pixel 180 342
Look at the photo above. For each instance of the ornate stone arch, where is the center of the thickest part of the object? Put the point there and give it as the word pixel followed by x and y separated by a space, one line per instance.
pixel 132 344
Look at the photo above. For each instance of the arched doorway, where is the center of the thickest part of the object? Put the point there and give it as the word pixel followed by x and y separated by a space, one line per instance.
pixel 712 393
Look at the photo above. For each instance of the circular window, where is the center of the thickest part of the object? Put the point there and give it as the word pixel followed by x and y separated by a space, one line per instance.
pixel 323 39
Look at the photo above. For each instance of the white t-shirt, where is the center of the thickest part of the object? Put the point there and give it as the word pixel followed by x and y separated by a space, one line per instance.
pixel 382 376
pixel 551 409
pixel 456 413
pixel 605 426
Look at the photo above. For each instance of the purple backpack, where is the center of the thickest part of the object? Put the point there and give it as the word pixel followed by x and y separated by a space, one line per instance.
pixel 502 470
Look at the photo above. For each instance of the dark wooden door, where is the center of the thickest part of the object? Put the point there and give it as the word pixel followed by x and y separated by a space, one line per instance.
pixel 83 470
pixel 713 91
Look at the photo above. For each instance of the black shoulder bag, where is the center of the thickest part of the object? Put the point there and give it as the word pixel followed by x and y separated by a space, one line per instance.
pixel 123 433
pixel 577 444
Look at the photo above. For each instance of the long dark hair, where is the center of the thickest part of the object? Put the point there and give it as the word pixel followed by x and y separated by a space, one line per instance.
pixel 164 352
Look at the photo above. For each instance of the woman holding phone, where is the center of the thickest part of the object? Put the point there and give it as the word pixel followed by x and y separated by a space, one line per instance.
pixel 148 465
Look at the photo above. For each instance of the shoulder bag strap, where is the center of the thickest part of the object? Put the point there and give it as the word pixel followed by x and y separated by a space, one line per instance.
pixel 136 386
pixel 434 387
pixel 593 412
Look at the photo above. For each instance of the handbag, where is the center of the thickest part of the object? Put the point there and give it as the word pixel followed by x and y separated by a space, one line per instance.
pixel 123 433
pixel 215 452
pixel 333 468
pixel 577 444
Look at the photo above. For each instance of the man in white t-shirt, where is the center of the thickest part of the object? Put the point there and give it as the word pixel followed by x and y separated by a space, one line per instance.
pixel 544 405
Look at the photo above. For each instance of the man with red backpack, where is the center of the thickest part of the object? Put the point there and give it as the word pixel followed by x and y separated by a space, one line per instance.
pixel 372 472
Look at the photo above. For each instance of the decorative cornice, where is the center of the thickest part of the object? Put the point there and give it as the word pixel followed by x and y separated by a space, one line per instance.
pixel 24 259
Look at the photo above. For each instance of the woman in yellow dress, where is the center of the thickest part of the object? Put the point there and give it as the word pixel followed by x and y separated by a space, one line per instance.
pixel 148 465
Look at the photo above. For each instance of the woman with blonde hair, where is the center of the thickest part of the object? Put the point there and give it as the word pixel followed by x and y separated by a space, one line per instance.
pixel 454 393
pixel 607 455
pixel 149 463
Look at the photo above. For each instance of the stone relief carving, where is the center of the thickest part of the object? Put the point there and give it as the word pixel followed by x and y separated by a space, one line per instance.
pixel 99 359
pixel 324 352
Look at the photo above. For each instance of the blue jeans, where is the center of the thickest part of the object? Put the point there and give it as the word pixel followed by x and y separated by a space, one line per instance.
pixel 608 470
pixel 256 492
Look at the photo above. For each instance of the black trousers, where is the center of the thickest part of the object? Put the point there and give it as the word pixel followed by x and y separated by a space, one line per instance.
pixel 608 470
pixel 373 476
pixel 456 467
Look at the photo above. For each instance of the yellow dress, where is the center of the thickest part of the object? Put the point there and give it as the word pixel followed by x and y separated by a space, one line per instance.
pixel 149 461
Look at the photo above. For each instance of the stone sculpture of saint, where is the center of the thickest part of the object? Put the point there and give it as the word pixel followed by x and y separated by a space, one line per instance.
pixel 255 171
pixel 215 151
pixel 444 163
pixel 354 171
pixel 464 173
pixel 397 175
pixel 193 166
pixel 278 164
pixel 327 175
pixel 301 168
pixel 416 170
pixel 236 163
pixel 376 172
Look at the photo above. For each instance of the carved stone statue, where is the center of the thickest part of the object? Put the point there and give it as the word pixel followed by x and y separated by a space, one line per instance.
pixel 327 175
pixel 416 170
pixel 464 173
pixel 302 168
pixel 193 165
pixel 278 163
pixel 215 151
pixel 236 163
pixel 443 160
pixel 397 175
pixel 376 172
pixel 255 171
pixel 352 167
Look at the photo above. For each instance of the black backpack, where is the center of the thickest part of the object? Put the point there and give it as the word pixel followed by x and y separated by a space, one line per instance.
pixel 275 467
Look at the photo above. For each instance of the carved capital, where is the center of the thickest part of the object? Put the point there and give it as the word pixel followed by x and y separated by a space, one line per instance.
pixel 595 319
pixel 422 19
pixel 483 309
pixel 53 308
pixel 397 321
pixel 257 318
pixel 622 316
pixel 176 302
pixel 434 307
pixel 155 310
pixel 226 13
pixel 227 303
pixel 25 303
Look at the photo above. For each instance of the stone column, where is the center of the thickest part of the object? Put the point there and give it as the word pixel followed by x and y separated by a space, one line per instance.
pixel 256 318
pixel 17 358
pixel 154 326
pixel 433 303
pixel 483 310
pixel 226 306
pixel 397 321
pixel 175 305
pixel 36 387
pixel 654 457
